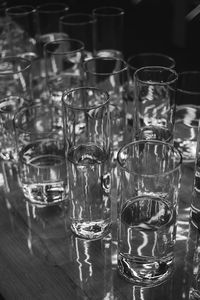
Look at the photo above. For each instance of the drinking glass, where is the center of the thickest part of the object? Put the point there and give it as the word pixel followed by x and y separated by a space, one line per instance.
pixel 155 90
pixel 48 15
pixel 141 60
pixel 87 134
pixel 47 18
pixel 63 65
pixel 40 146
pixel 187 114
pixel 79 26
pixel 47 29
pixel 108 31
pixel 111 74
pixel 15 91
pixel 21 30
pixel 149 187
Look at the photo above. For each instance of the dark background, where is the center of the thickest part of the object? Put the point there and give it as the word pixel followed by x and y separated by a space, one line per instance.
pixel 150 26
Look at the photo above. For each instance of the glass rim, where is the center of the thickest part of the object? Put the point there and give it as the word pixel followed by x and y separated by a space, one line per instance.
pixel 174 149
pixel 80 48
pixel 152 54
pixel 156 68
pixel 15 58
pixel 75 23
pixel 125 68
pixel 75 107
pixel 117 11
pixel 10 11
pixel 49 7
pixel 185 91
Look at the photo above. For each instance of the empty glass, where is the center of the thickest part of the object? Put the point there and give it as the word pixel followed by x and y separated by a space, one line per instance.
pixel 187 114
pixel 21 30
pixel 63 66
pixel 79 26
pixel 155 91
pixel 111 74
pixel 47 29
pixel 108 33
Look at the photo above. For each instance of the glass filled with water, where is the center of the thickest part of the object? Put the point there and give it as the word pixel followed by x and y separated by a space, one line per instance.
pixel 87 135
pixel 150 173
pixel 39 138
pixel 155 92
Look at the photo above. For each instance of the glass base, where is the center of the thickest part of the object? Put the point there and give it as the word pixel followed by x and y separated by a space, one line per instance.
pixel 145 272
pixel 91 230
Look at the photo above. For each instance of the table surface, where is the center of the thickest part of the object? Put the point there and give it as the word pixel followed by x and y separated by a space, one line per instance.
pixel 41 259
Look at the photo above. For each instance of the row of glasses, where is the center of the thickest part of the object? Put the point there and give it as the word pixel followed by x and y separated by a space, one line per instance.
pixel 29 27
pixel 97 30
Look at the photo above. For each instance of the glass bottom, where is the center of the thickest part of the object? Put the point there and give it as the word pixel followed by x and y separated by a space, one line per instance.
pixel 145 271
pixel 91 230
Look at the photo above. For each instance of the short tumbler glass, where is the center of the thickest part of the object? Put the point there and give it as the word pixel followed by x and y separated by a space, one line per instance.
pixel 87 135
pixel 42 170
pixel 150 173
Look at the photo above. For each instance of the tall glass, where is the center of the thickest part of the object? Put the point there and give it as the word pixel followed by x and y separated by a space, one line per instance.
pixel 48 15
pixel 63 66
pixel 15 92
pixel 111 74
pixel 87 136
pixel 108 33
pixel 47 27
pixel 79 26
pixel 187 114
pixel 155 89
pixel 40 147
pixel 21 30
pixel 150 173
